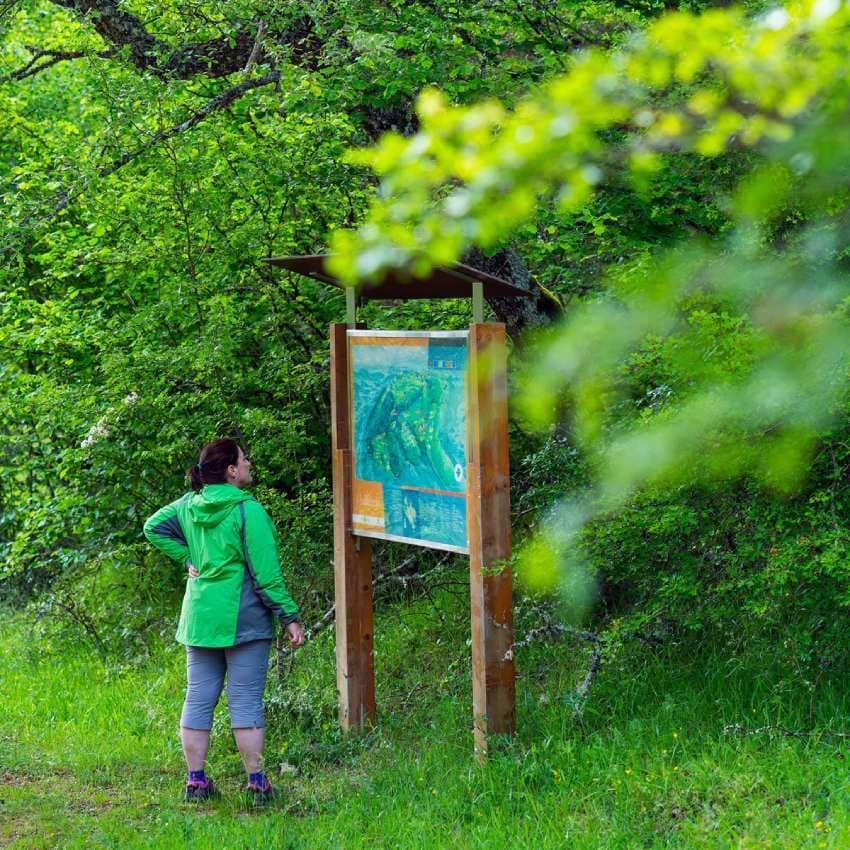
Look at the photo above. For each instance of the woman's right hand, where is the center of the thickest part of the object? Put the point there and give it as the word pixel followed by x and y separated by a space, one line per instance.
pixel 193 570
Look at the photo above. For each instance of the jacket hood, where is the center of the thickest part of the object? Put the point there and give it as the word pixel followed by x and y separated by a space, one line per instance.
pixel 215 502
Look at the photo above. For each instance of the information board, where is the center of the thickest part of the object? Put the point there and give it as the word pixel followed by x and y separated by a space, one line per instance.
pixel 409 436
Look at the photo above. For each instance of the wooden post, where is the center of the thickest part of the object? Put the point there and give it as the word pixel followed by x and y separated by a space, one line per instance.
pixel 355 669
pixel 489 526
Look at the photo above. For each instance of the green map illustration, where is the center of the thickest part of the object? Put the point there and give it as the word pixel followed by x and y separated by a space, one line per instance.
pixel 405 432
pixel 409 410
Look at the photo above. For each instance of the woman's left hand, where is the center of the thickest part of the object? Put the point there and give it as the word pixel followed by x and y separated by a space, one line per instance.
pixel 193 570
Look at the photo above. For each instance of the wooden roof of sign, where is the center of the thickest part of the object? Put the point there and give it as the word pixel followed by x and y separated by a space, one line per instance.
pixel 443 282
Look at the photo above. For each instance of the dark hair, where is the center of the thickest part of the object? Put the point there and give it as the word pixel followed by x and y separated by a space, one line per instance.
pixel 211 467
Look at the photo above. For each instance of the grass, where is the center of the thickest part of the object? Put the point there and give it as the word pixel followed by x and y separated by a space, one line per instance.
pixel 89 755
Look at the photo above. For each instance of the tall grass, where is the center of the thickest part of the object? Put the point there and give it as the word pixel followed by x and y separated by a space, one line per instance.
pixel 90 757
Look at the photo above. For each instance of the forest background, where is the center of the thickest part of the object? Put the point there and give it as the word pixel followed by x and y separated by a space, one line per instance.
pixel 678 431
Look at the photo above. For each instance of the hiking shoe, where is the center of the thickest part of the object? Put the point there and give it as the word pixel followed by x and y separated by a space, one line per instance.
pixel 200 791
pixel 259 795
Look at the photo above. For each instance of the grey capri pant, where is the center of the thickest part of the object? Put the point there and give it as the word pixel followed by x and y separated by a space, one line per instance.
pixel 246 665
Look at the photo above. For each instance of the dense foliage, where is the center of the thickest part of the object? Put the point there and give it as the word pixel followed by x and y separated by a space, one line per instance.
pixel 723 359
pixel 148 163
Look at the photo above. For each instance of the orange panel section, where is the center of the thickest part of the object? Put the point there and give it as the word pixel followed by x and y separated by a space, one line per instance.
pixel 367 499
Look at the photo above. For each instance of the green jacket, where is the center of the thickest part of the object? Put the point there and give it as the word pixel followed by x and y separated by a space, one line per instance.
pixel 232 542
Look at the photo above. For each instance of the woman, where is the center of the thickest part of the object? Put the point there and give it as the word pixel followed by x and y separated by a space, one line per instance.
pixel 235 590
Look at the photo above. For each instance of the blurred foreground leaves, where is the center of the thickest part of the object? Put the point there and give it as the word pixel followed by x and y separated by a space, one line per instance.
pixel 733 351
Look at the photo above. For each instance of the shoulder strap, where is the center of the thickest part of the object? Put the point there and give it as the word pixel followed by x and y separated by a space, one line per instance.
pixel 242 533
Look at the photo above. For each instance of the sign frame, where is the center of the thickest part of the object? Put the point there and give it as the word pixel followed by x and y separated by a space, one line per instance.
pixel 488 537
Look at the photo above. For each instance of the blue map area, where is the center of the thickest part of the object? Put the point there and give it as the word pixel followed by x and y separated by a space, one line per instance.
pixel 435 517
pixel 409 408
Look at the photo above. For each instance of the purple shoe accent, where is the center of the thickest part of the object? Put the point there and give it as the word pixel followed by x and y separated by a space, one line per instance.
pixel 196 790
pixel 259 779
pixel 262 793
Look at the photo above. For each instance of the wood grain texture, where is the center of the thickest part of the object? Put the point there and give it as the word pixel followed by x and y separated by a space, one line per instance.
pixel 352 562
pixel 489 525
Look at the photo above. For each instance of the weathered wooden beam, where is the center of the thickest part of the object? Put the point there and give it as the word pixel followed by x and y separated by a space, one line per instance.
pixel 489 526
pixel 352 561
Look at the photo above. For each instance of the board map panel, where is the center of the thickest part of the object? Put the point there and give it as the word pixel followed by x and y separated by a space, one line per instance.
pixel 409 436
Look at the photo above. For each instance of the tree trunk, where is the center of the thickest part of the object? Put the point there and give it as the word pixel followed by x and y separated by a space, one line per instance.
pixel 541 308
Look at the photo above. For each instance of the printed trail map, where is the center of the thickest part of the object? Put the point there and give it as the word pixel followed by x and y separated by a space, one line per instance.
pixel 408 400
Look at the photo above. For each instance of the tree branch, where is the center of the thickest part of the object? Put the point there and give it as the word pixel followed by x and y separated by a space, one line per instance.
pixel 125 30
pixel 215 104
pixel 213 58
pixel 551 629
pixel 258 47
pixel 578 699
pixel 50 57
pixel 738 729
pixel 583 690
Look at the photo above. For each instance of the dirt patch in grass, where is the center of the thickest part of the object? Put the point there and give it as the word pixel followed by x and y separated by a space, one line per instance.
pixel 7 777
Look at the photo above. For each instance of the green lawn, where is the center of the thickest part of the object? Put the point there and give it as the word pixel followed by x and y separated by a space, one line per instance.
pixel 89 755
